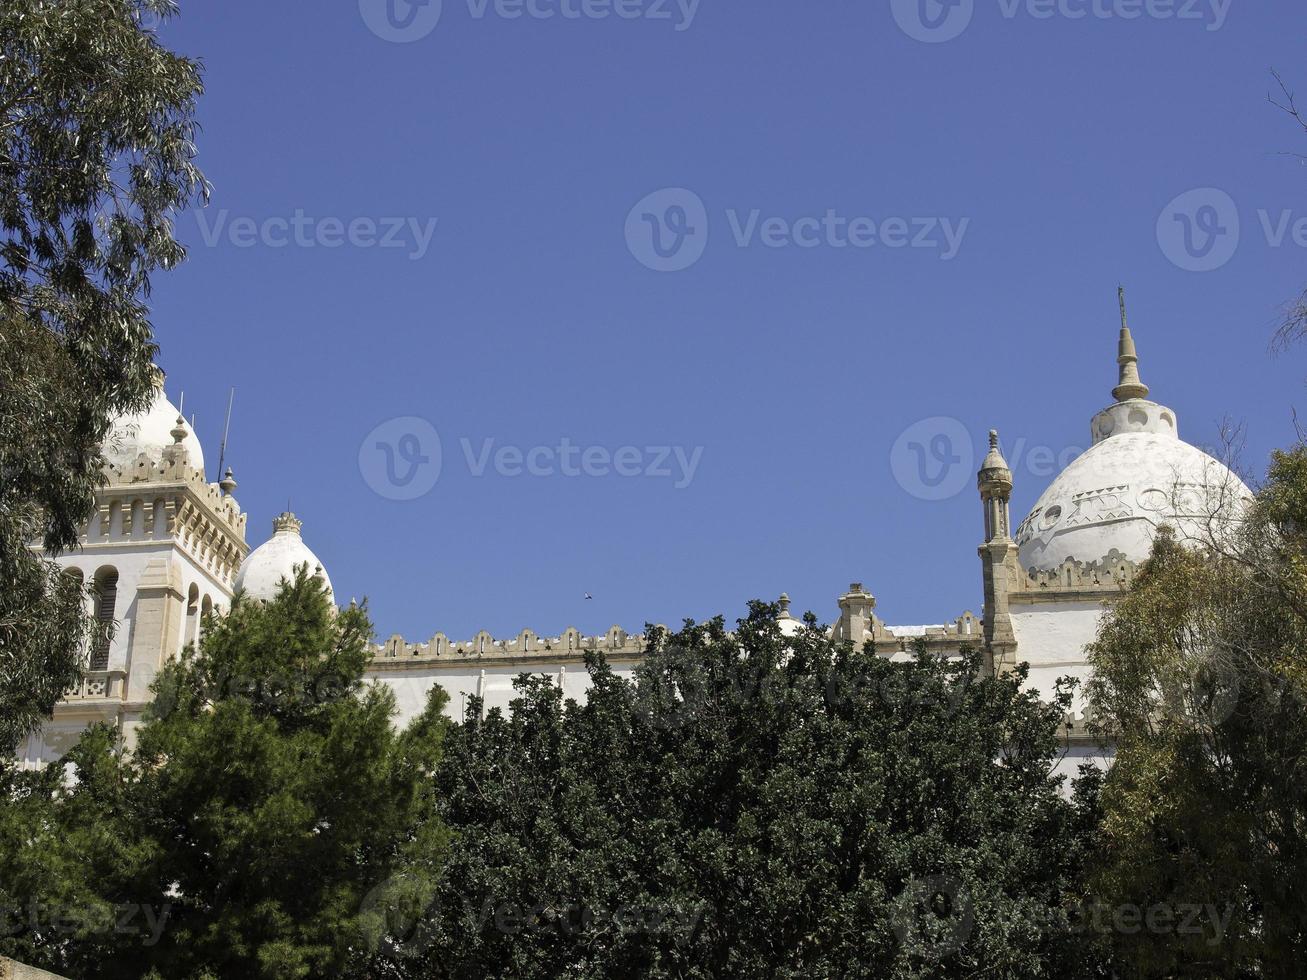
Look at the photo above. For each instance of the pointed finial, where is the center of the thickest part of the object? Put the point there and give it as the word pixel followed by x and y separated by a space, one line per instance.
pixel 994 460
pixel 178 430
pixel 1128 360
pixel 228 483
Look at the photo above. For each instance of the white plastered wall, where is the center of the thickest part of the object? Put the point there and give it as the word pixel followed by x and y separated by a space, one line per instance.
pixel 411 686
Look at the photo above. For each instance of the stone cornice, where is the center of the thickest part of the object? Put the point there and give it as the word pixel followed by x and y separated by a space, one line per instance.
pixel 199 518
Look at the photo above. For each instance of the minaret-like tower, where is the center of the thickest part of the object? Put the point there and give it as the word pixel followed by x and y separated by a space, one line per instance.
pixel 998 557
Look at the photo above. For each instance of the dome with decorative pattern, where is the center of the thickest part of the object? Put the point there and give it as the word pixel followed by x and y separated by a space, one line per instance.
pixel 1137 475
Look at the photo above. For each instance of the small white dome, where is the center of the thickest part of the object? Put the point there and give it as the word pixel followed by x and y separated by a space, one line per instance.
pixel 262 572
pixel 149 432
pixel 1115 495
pixel 789 626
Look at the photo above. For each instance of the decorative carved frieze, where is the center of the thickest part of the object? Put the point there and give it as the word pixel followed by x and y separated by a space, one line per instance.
pixel 1113 572
pixel 527 644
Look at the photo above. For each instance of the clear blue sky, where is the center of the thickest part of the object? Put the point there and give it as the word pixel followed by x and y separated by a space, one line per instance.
pixel 1053 144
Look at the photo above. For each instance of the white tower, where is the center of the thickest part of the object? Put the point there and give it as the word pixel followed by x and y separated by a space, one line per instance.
pixel 161 550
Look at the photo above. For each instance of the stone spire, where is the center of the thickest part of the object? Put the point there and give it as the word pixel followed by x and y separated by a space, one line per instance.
pixel 994 461
pixel 1130 386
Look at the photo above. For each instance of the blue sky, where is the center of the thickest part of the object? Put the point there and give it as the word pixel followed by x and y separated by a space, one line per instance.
pixel 866 242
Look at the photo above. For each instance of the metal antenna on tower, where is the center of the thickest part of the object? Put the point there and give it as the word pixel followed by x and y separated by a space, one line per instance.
pixel 226 427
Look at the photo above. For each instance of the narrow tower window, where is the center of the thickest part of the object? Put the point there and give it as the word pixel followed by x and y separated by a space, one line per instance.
pixel 106 600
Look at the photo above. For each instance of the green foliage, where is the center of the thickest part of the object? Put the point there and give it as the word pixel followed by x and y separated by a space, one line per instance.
pixel 268 797
pixel 755 805
pixel 96 126
pixel 1199 673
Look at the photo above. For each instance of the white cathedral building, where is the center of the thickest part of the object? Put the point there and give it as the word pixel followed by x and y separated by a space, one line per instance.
pixel 166 548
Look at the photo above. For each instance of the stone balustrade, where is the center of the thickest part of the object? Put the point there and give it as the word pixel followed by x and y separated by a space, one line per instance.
pixel 99 685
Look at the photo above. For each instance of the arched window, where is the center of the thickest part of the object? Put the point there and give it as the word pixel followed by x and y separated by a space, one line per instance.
pixel 106 601
pixel 206 610
pixel 192 615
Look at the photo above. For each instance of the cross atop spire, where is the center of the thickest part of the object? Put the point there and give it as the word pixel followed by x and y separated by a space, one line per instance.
pixel 1130 386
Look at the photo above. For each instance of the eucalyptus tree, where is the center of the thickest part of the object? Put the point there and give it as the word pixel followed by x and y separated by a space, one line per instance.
pixel 97 121
pixel 1200 675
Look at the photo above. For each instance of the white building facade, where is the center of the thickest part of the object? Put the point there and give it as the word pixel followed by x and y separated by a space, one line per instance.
pixel 166 548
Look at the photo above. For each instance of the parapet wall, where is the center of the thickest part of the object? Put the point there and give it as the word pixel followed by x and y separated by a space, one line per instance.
pixel 527 645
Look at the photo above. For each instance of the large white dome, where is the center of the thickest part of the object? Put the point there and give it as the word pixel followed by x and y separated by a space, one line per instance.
pixel 276 559
pixel 149 432
pixel 1136 476
pixel 1116 494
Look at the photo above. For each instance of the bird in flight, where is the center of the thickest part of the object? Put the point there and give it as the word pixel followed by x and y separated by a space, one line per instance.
pixel 589 596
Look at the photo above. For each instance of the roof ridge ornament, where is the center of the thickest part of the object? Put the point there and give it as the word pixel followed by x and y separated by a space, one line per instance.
pixel 1130 386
